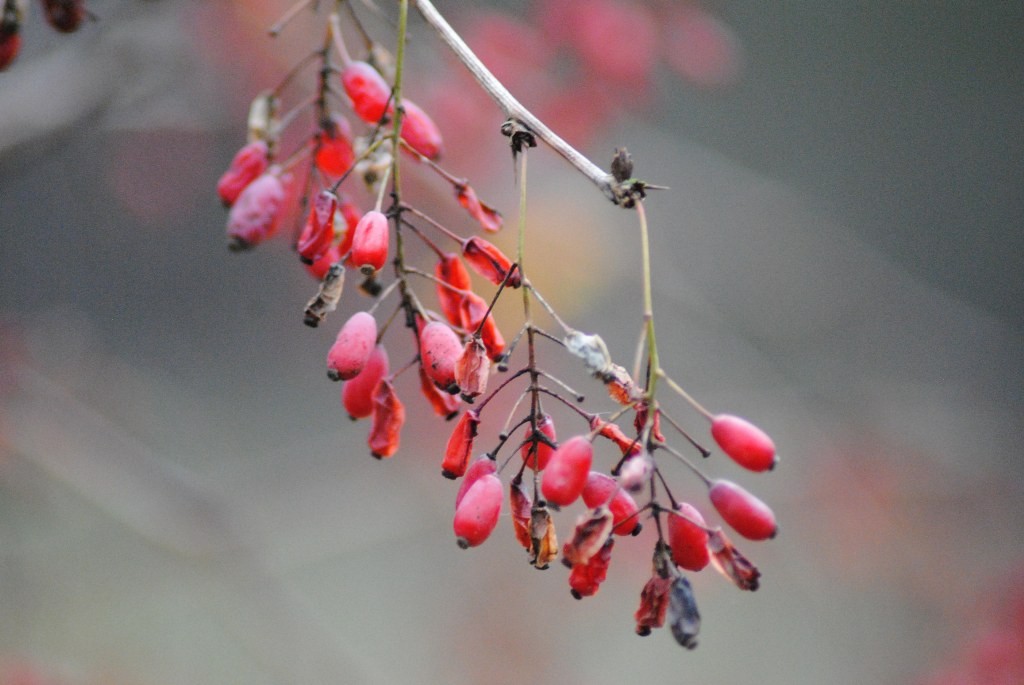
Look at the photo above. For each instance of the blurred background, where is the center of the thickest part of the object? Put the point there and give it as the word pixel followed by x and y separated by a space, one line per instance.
pixel 183 500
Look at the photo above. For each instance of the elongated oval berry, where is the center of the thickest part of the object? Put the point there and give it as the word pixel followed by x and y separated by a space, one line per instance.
pixel 351 349
pixel 603 489
pixel 477 513
pixel 247 165
pixel 537 453
pixel 746 514
pixel 334 154
pixel 357 394
pixel 566 472
pixel 64 15
pixel 370 242
pixel 420 131
pixel 478 468
pixel 10 45
pixel 254 216
pixel 440 350
pixel 451 271
pixel 745 443
pixel 688 539
pixel 460 446
pixel 490 262
pixel 367 90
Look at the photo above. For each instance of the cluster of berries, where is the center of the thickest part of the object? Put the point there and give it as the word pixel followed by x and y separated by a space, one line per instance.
pixel 63 15
pixel 458 346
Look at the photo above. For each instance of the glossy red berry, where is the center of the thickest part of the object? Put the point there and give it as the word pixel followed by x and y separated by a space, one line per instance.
pixel 255 215
pixel 478 468
pixel 351 349
pixel 688 538
pixel 247 165
pixel 357 394
pixel 370 243
pixel 745 443
pixel 537 453
pixel 420 131
pixel 440 349
pixel 601 489
pixel 746 514
pixel 334 155
pixel 566 473
pixel 477 513
pixel 318 232
pixel 460 446
pixel 367 90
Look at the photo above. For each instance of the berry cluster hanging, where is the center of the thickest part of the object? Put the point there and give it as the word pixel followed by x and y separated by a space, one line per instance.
pixel 361 127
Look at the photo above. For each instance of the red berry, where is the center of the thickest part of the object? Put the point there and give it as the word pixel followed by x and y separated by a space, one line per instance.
pixel 452 271
pixel 10 45
pixel 318 231
pixel 474 315
pixel 420 131
pixel 335 156
pixel 357 394
pixel 247 165
pixel 64 15
pixel 460 446
pixel 626 444
pixel 585 579
pixel 488 217
pixel 688 538
pixel 351 214
pixel 442 403
pixel 537 453
pixel 318 269
pixel 479 468
pixel 477 512
pixel 255 215
pixel 351 349
pixel 603 489
pixel 566 472
pixel 522 514
pixel 370 242
pixel 746 514
pixel 388 418
pixel 440 349
pixel 490 262
pixel 748 445
pixel 367 90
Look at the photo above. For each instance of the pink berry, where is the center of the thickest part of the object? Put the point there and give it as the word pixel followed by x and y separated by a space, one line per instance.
pixel 688 539
pixel 420 131
pixel 247 165
pixel 746 514
pixel 255 215
pixel 603 489
pixel 745 443
pixel 477 513
pixel 357 394
pixel 351 349
pixel 367 90
pixel 479 468
pixel 566 473
pixel 440 349
pixel 370 242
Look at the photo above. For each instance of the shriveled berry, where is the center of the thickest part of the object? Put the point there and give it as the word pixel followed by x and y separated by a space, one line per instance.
pixel 357 394
pixel 628 446
pixel 683 617
pixel 474 315
pixel 488 217
pixel 247 165
pixel 566 472
pixel 490 262
pixel 255 214
pixel 451 271
pixel 441 402
pixel 535 452
pixel 388 419
pixel 731 563
pixel 601 489
pixel 440 350
pixel 460 446
pixel 745 443
pixel 478 468
pixel 688 539
pixel 472 369
pixel 319 268
pixel 521 507
pixel 351 349
pixel 370 242
pixel 318 232
pixel 745 513
pixel 367 90
pixel 585 579
pixel 420 131
pixel 477 512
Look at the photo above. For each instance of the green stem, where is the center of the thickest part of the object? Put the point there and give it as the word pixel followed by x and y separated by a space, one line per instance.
pixel 652 345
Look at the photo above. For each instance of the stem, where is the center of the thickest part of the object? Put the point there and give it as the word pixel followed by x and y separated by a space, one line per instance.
pixel 652 345
pixel 686 396
pixel 511 107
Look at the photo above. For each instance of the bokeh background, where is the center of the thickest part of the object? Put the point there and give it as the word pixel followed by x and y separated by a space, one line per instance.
pixel 182 499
